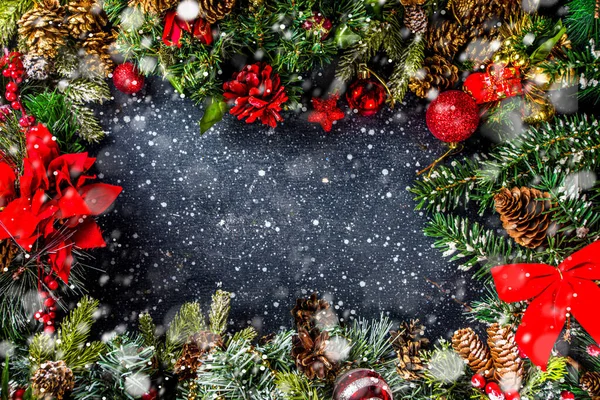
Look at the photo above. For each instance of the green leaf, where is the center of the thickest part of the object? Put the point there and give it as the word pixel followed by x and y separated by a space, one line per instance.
pixel 542 52
pixel 213 114
pixel 344 36
pixel 5 380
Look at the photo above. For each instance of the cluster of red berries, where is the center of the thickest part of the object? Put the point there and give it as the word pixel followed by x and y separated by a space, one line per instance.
pixel 492 389
pixel 12 67
pixel 47 315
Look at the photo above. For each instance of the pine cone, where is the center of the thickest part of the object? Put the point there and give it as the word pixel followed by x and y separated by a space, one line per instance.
pixel 446 39
pixel 256 93
pixel 193 350
pixel 523 215
pixel 52 379
pixel 37 67
pixel 468 345
pixel 85 16
pixel 42 28
pixel 98 58
pixel 215 10
pixel 437 73
pixel 156 7
pixel 408 343
pixel 313 312
pixel 8 251
pixel 309 350
pixel 590 382
pixel 508 365
pixel 415 19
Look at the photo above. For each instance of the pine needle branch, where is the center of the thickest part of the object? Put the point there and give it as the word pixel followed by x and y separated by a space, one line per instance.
pixel 11 12
pixel 219 311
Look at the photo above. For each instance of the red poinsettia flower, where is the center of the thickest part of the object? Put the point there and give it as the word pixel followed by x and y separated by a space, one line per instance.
pixel 256 93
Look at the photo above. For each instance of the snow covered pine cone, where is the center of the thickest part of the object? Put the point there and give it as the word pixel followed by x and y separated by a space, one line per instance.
pixel 52 379
pixel 193 350
pixel 408 342
pixel 313 312
pixel 437 73
pixel 42 28
pixel 309 349
pixel 472 349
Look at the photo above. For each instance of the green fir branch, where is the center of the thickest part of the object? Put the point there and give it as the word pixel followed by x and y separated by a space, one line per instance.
pixel 188 321
pixel 581 23
pixel 296 386
pixel 362 51
pixel 490 309
pixel 83 90
pixel 11 12
pixel 406 67
pixel 89 126
pixel 219 311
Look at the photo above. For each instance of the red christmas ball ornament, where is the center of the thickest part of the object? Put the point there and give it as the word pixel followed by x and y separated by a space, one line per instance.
pixel 593 350
pixel 493 391
pixel 497 83
pixel 361 384
pixel 366 96
pixel 453 116
pixel 512 395
pixel 127 78
pixel 478 381
pixel 318 25
pixel 566 395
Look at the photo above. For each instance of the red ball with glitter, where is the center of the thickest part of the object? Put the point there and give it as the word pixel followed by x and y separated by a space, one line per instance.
pixel 366 96
pixel 127 78
pixel 453 116
pixel 361 384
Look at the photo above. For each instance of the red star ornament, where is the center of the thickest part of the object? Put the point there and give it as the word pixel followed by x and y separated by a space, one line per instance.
pixel 325 112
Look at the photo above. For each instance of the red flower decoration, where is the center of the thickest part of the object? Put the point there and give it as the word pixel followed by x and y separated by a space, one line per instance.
pixel 256 93
pixel 325 112
pixel 55 203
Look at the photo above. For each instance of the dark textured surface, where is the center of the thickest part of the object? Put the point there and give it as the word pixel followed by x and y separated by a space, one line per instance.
pixel 268 215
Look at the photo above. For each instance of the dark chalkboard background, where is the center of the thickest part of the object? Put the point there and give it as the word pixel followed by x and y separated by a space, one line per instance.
pixel 269 215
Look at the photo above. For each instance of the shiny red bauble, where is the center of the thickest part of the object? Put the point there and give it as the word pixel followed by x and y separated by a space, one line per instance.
pixel 453 116
pixel 566 395
pixel 478 381
pixel 366 96
pixel 127 78
pixel 361 384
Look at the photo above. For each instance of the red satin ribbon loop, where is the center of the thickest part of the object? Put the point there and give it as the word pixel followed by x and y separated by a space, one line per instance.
pixel 199 28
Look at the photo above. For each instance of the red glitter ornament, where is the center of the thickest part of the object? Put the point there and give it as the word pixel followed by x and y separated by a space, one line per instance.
pixel 453 116
pixel 127 78
pixel 366 96
pixel 361 384
pixel 325 112
pixel 566 395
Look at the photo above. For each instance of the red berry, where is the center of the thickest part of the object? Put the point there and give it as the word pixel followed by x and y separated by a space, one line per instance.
pixel 12 87
pixel 6 73
pixel 19 79
pixel 15 74
pixel 53 308
pixel 15 105
pixel 493 391
pixel 46 318
pixel 18 394
pixel 593 350
pixel 512 395
pixel 38 315
pixel 31 119
pixel 24 122
pixel 49 330
pixel 478 381
pixel 47 279
pixel 53 284
pixel 52 315
pixel 43 294
pixel 49 302
pixel 10 96
pixel 150 395
pixel 566 395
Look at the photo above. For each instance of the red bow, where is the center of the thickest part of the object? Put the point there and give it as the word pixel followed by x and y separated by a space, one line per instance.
pixel 199 28
pixel 555 293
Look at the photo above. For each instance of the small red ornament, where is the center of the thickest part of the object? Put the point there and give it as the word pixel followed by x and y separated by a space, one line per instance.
pixel 493 391
pixel 566 395
pixel 127 78
pixel 497 83
pixel 453 116
pixel 366 96
pixel 361 384
pixel 512 395
pixel 478 381
pixel 325 112
pixel 318 25
pixel 593 350
pixel 18 394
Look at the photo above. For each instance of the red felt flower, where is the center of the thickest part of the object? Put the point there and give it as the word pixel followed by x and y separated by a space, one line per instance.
pixel 256 93
pixel 325 112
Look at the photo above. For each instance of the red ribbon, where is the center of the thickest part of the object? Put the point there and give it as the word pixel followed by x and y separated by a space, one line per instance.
pixel 199 28
pixel 555 293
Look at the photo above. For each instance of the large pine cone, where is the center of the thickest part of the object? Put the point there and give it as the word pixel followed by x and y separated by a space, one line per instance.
pixel 193 350
pixel 523 215
pixel 215 10
pixel 468 345
pixel 446 39
pixel 415 19
pixel 156 7
pixel 8 251
pixel 309 349
pixel 508 365
pixel 313 312
pixel 42 28
pixel 85 16
pixel 590 382
pixel 408 343
pixel 256 93
pixel 437 73
pixel 52 379
pixel 98 59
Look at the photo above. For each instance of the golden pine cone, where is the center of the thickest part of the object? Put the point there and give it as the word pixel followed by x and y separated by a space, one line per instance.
pixel 98 58
pixel 415 19
pixel 590 382
pixel 508 365
pixel 8 251
pixel 524 216
pixel 313 312
pixel 42 28
pixel 437 73
pixel 52 379
pixel 309 349
pixel 408 343
pixel 470 347
pixel 85 16
pixel 156 7
pixel 410 3
pixel 215 10
pixel 445 39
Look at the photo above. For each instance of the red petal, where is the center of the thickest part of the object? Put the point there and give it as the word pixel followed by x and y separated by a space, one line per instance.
pixel 71 203
pixel 99 196
pixel 17 221
pixel 40 144
pixel 61 260
pixel 88 235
